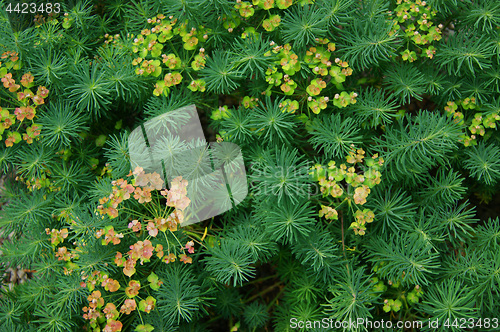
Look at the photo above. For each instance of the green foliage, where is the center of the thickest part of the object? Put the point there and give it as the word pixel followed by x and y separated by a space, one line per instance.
pixel 337 11
pixel 419 144
pixel 316 250
pixel 72 178
pixel 444 189
pixel 230 262
pixel 287 222
pixel 412 262
pixel 483 163
pixel 272 124
pixel 406 81
pixel 118 154
pixel 334 135
pixel 352 295
pixel 488 235
pixel 449 301
pixel 10 314
pixel 24 210
pixel 483 14
pixel 91 88
pixel 179 297
pixel 458 220
pixel 250 57
pixel 49 67
pixel 369 42
pixel 305 287
pixel 256 315
pixel 282 174
pixel 374 108
pixel 35 160
pixel 227 302
pixel 391 207
pixel 254 239
pixel 221 73
pixel 236 126
pixel 465 51
pixel 62 125
pixel 304 25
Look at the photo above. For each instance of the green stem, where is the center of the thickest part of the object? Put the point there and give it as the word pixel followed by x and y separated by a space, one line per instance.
pixel 196 235
pixel 176 239
pixel 168 243
pixel 174 49
pixel 275 299
pixel 265 291
pixel 135 213
pixel 342 228
pixel 214 319
pixel 261 279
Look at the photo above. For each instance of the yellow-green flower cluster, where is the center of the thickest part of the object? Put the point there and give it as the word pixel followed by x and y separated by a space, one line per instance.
pixel 403 295
pixel 245 8
pixel 479 123
pixel 289 106
pixel 414 18
pixel 230 22
pixel 362 217
pixel 151 60
pixel 271 23
pixel 328 212
pixel 221 112
pixel 348 183
pixel 249 102
pixel 318 59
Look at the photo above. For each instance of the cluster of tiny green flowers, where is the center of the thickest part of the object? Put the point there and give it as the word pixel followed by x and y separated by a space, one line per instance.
pixel 111 39
pixel 220 113
pixel 348 184
pixel 260 4
pixel 395 290
pixel 327 72
pixel 151 60
pixel 414 18
pixel 247 9
pixel 479 122
pixel 67 21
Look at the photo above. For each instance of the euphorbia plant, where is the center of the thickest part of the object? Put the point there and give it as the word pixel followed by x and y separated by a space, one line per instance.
pixel 152 236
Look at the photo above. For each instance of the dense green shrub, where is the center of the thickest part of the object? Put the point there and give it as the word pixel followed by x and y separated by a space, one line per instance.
pixel 368 131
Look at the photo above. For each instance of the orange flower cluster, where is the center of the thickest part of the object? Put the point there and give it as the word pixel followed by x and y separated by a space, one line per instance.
pixel 27 99
pixel 96 310
pixel 142 251
pixel 57 236
pixel 141 189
